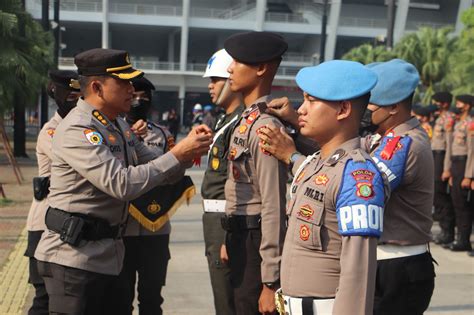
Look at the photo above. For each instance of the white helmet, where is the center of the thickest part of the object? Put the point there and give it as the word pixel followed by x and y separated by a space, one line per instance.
pixel 197 107
pixel 218 64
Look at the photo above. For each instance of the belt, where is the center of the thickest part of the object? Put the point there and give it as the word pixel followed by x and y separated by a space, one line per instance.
pixel 214 205
pixel 307 306
pixel 458 157
pixel 390 251
pixel 235 223
pixel 439 151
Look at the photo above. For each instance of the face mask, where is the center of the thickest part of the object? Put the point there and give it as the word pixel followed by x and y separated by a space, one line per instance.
pixel 60 96
pixel 139 110
pixel 366 124
pixel 66 107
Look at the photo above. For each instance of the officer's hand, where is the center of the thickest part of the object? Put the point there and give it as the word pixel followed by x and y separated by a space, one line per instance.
pixel 195 144
pixel 450 181
pixel 224 256
pixel 466 183
pixel 276 142
pixel 445 176
pixel 281 108
pixel 266 302
pixel 472 184
pixel 139 128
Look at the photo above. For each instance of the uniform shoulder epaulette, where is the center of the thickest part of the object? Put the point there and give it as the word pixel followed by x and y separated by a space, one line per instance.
pixel 97 115
pixel 358 155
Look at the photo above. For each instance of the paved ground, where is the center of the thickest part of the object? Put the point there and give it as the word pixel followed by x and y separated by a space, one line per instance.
pixel 188 289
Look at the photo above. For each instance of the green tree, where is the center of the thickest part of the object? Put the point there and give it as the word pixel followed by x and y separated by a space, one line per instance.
pixel 368 53
pixel 25 57
pixel 460 79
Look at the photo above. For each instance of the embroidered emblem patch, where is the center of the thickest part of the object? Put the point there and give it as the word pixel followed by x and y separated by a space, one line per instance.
pixel 251 118
pixel 364 190
pixel 51 132
pixel 215 163
pixel 153 207
pixel 321 179
pixel 364 179
pixel 304 232
pixel 362 174
pixel 112 138
pixel 93 137
pixel 232 153
pixel 242 129
pixel 306 212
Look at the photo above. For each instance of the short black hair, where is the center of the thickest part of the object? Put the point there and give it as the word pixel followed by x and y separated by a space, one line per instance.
pixel 443 97
pixel 361 103
pixel 85 80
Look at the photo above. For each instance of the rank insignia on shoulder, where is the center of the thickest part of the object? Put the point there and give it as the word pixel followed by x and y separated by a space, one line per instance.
pixel 306 212
pixel 304 232
pixel 215 150
pixel 243 129
pixel 321 179
pixel 93 137
pixel 336 156
pixel 153 207
pixel 97 115
pixel 51 132
pixel 215 163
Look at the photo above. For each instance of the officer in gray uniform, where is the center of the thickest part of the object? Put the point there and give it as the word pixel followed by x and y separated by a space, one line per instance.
pixel 459 170
pixel 212 189
pixel 337 197
pixel 255 190
pixel 60 88
pixel 146 247
pixel 98 165
pixel 405 270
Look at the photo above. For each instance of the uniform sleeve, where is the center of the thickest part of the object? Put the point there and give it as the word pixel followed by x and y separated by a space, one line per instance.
pixel 45 142
pixel 449 147
pixel 144 154
pixel 96 163
pixel 272 179
pixel 469 172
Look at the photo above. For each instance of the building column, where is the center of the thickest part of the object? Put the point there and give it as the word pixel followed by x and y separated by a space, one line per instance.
pixel 183 54
pixel 463 6
pixel 181 97
pixel 334 15
pixel 260 10
pixel 400 20
pixel 105 23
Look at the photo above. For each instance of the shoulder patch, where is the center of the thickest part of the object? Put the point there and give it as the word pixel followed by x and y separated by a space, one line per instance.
pixel 391 157
pixel 51 132
pixel 94 137
pixel 449 123
pixel 360 202
pixel 97 115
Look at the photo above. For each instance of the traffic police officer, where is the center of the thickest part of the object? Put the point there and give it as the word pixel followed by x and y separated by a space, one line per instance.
pixel 62 90
pixel 337 197
pixel 459 170
pixel 212 189
pixel 442 200
pixel 146 245
pixel 405 271
pixel 255 190
pixel 95 170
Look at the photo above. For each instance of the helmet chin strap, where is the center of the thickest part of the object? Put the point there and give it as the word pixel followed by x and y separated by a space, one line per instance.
pixel 224 92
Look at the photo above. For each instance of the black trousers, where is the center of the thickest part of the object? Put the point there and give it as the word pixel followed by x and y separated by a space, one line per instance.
pixel 40 300
pixel 148 256
pixel 404 285
pixel 444 210
pixel 243 248
pixel 462 208
pixel 76 291
pixel 214 237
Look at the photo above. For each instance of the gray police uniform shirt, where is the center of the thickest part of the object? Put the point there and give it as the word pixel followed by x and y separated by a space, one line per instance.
pixel 257 185
pixel 159 140
pixel 35 220
pixel 93 172
pixel 461 143
pixel 443 126
pixel 335 216
pixel 409 168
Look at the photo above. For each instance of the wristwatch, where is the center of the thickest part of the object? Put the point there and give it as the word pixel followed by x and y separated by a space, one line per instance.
pixel 272 285
pixel 293 158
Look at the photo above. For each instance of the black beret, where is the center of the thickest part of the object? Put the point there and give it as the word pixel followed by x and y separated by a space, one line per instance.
pixel 421 110
pixel 443 97
pixel 432 108
pixel 255 47
pixel 142 84
pixel 111 62
pixel 466 99
pixel 64 78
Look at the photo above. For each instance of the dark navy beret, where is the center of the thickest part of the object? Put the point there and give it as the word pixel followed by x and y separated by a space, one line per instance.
pixel 336 80
pixel 255 47
pixel 466 99
pixel 142 84
pixel 422 110
pixel 443 97
pixel 397 79
pixel 63 78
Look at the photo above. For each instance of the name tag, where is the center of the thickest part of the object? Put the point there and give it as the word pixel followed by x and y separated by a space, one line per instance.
pixel 360 219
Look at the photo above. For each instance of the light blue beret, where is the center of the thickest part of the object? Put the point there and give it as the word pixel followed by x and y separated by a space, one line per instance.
pixel 336 80
pixel 397 80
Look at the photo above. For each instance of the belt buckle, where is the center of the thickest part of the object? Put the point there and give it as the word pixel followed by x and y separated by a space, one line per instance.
pixel 279 302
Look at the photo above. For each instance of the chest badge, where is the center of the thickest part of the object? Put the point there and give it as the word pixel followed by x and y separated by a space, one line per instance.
pixel 112 138
pixel 51 132
pixel 215 163
pixel 153 207
pixel 304 232
pixel 215 150
pixel 243 129
pixel 321 179
pixel 306 212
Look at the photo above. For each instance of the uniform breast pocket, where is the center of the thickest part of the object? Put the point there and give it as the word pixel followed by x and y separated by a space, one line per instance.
pixel 308 225
pixel 240 170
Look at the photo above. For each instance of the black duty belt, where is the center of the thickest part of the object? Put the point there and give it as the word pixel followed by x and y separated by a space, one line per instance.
pixel 234 223
pixel 458 157
pixel 74 227
pixel 439 151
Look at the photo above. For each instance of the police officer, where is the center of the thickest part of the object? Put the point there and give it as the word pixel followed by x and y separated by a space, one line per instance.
pixel 423 114
pixel 60 88
pixel 337 197
pixel 212 189
pixel 405 271
pixel 97 166
pixel 459 170
pixel 256 187
pixel 146 245
pixel 442 200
